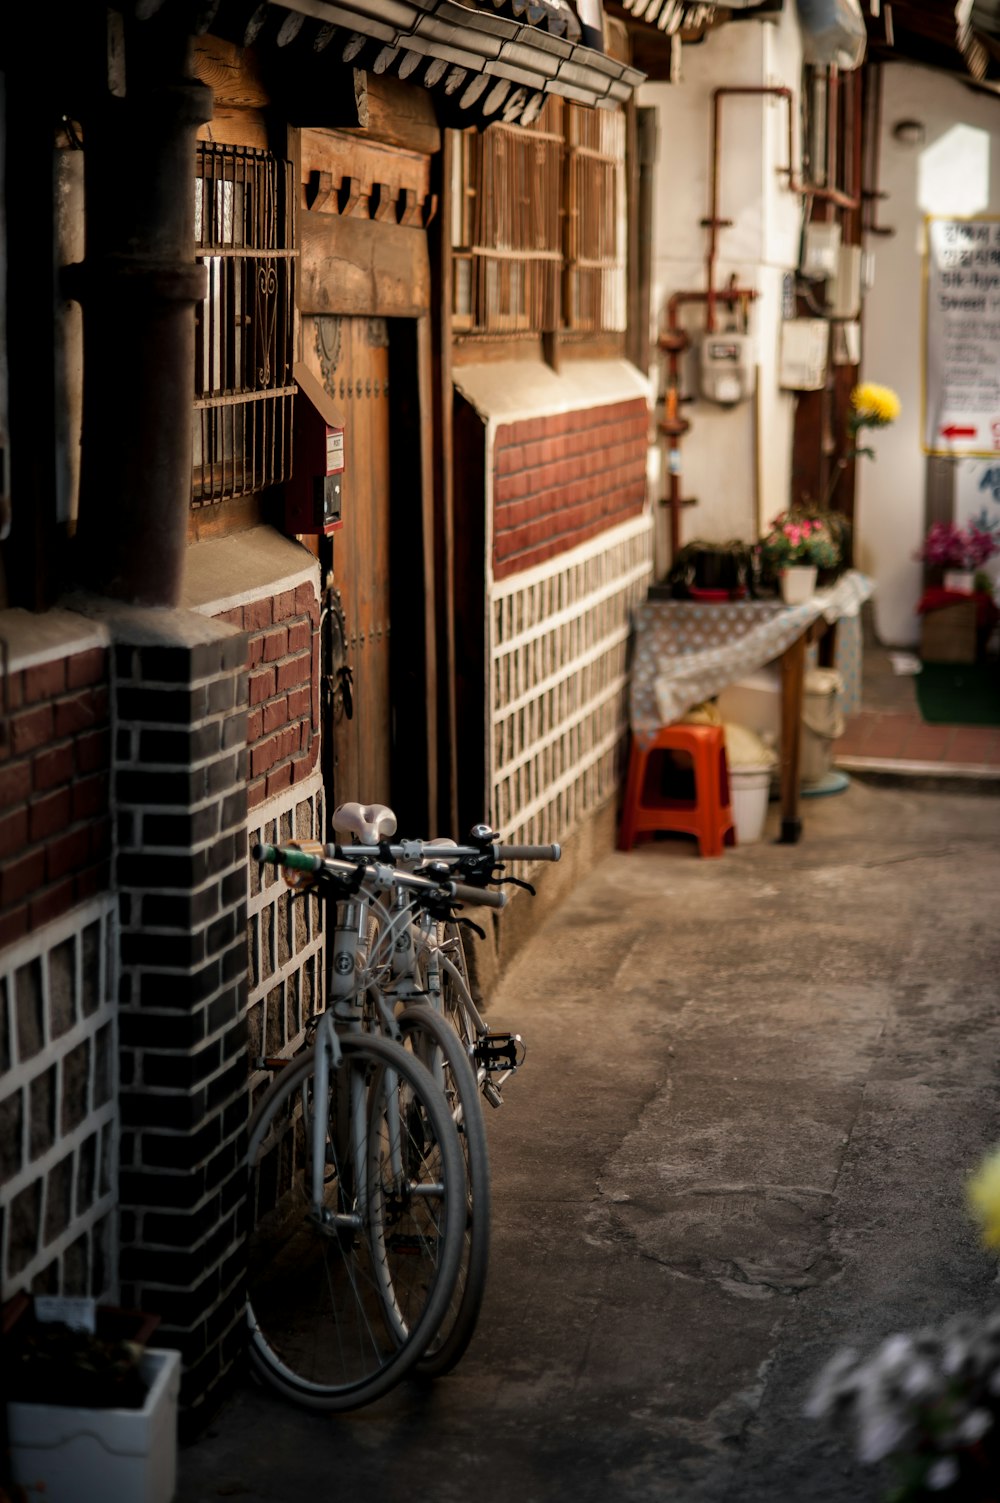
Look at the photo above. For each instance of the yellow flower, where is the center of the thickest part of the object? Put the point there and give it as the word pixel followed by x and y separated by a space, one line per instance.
pixel 983 1194
pixel 875 404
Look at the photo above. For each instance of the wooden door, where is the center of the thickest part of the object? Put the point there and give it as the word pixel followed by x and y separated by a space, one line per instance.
pixel 354 365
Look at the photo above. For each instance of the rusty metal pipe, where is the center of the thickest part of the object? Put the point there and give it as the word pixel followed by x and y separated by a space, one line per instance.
pixel 808 190
pixel 832 124
pixel 674 426
pixel 714 223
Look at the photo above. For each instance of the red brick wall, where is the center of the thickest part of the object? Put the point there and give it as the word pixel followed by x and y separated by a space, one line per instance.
pixel 560 480
pixel 283 658
pixel 55 826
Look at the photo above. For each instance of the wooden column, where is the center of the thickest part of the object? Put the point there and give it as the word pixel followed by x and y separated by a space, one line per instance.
pixel 793 672
pixel 138 288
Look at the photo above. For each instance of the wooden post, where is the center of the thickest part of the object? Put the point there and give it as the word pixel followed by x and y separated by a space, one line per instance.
pixel 138 288
pixel 793 671
pixel 444 500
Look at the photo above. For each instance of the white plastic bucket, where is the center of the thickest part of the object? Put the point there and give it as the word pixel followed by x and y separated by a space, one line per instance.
pixel 749 788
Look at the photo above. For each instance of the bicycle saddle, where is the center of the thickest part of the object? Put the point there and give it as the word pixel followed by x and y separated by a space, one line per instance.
pixel 368 823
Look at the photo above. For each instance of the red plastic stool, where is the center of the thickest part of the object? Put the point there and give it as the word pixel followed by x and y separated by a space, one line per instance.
pixel 652 803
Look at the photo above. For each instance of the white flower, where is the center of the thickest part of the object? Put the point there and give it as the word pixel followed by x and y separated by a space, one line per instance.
pixel 880 1432
pixel 920 1381
pixel 832 1384
pixel 975 1425
pixel 894 1354
pixel 942 1474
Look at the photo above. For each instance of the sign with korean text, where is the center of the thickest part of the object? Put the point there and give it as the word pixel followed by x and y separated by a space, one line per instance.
pixel 962 337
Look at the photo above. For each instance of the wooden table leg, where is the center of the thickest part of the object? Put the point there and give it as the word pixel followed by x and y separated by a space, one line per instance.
pixel 793 673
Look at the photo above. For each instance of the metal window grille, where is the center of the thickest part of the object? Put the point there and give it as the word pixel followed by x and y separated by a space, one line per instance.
pixel 538 233
pixel 244 234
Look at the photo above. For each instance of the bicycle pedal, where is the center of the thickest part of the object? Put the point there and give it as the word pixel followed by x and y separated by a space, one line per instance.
pixel 492 1093
pixel 499 1051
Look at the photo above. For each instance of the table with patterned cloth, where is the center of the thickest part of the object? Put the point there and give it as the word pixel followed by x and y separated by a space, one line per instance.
pixel 686 651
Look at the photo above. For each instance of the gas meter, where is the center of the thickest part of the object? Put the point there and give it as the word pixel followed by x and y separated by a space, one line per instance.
pixel 727 368
pixel 314 491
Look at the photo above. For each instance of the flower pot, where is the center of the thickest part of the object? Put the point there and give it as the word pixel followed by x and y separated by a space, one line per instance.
pixel 80 1455
pixel 798 583
pixel 83 1424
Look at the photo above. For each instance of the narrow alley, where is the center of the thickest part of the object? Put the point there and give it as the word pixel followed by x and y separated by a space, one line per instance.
pixel 754 1087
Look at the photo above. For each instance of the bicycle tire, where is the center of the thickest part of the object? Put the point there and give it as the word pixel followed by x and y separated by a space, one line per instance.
pixel 449 938
pixel 436 1044
pixel 316 1317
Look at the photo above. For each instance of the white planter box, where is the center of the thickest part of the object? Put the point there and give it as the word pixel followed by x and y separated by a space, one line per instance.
pixel 72 1455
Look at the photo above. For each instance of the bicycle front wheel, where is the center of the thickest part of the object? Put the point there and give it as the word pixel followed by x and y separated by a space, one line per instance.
pixel 343 1298
pixel 434 1041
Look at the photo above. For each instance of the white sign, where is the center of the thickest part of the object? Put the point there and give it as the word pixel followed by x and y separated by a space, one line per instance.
pixel 962 330
pixel 79 1313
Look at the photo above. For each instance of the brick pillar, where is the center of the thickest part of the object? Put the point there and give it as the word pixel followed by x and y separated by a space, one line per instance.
pixel 179 691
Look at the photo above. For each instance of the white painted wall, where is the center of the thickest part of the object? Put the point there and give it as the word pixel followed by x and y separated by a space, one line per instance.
pixel 736 461
pixel 890 516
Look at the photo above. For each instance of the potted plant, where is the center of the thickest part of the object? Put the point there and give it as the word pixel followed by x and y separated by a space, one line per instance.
pixel 91 1409
pixel 797 546
pixel 927 1403
pixel 953 554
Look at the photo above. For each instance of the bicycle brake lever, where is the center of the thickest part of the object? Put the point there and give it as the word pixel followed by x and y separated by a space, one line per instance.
pixel 517 881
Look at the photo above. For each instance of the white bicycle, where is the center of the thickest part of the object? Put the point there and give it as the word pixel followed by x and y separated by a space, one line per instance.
pixel 416 984
pixel 357 1200
pixel 369 1239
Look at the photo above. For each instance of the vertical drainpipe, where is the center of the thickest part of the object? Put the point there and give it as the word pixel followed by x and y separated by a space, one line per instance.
pixel 138 286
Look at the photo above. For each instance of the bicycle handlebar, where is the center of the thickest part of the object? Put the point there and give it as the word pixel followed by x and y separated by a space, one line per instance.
pixel 483 897
pixel 448 850
pixel 528 852
pixel 304 861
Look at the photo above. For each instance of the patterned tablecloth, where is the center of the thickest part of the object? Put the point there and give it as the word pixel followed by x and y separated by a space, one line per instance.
pixel 686 650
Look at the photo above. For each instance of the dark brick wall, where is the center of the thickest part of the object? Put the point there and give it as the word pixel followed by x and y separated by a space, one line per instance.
pixel 562 479
pixel 283 659
pixel 55 827
pixel 181 869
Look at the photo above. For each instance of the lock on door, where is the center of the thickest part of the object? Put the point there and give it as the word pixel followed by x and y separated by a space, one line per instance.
pixel 338 675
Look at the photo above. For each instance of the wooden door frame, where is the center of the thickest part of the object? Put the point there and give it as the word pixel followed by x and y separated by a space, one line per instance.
pixel 371 269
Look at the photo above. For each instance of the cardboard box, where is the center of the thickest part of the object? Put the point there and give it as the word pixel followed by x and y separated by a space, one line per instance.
pixel 70 1455
pixel 948 635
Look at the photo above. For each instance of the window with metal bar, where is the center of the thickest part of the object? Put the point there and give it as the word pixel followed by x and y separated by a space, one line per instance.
pixel 244 235
pixel 538 224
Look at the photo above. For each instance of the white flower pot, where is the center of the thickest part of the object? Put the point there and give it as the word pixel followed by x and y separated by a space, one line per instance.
pixel 798 583
pixel 102 1455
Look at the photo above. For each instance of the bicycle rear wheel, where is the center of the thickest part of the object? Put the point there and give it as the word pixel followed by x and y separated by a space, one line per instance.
pixel 436 1045
pixel 325 1294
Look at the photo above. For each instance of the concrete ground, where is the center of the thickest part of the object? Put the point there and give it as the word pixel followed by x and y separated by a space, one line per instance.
pixel 753 1088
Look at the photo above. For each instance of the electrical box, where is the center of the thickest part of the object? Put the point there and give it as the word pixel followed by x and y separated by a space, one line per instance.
pixel 845 343
pixel 804 349
pixel 314 494
pixel 727 368
pixel 843 294
pixel 821 250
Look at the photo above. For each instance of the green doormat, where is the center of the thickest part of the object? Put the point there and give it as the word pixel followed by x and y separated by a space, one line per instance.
pixel 959 693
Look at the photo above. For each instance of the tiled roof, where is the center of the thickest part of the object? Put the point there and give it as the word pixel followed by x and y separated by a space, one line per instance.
pixel 492 59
